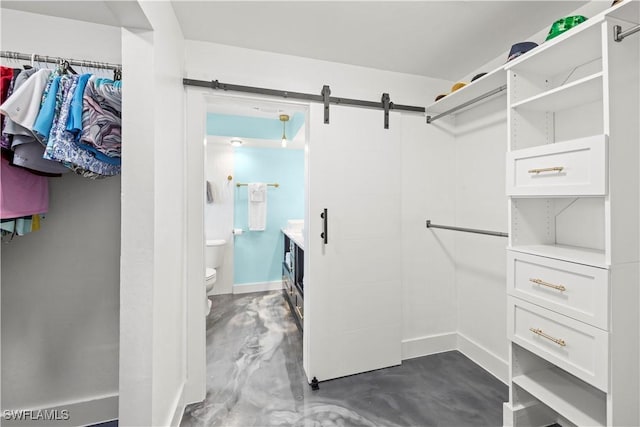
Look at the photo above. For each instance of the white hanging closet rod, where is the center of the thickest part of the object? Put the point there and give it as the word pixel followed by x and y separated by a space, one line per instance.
pixel 56 60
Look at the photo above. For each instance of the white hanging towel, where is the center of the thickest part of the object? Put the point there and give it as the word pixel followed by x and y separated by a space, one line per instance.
pixel 257 206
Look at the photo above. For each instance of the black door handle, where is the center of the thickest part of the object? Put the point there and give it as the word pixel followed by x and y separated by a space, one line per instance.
pixel 325 226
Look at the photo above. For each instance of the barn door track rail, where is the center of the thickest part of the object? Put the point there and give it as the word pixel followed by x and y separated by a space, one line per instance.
pixel 324 97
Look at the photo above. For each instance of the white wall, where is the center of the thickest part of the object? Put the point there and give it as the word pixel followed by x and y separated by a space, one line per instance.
pixel 481 142
pixel 154 289
pixel 136 265
pixel 219 215
pixel 428 263
pixel 169 317
pixel 60 285
pixel 427 171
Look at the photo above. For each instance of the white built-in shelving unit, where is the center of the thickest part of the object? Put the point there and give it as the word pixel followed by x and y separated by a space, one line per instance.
pixel 573 254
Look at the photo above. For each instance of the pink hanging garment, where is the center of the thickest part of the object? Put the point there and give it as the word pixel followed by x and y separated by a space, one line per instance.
pixel 21 192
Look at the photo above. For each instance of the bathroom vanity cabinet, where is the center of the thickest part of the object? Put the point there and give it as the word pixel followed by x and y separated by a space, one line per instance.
pixel 293 274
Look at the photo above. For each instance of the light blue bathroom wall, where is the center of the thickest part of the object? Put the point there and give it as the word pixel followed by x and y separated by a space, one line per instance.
pixel 253 127
pixel 258 254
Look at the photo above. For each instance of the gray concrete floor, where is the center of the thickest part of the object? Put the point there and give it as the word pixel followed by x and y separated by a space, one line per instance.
pixel 255 378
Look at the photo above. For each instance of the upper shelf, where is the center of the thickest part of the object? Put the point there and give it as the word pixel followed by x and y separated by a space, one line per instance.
pixel 580 92
pixel 583 43
pixel 485 86
pixel 577 46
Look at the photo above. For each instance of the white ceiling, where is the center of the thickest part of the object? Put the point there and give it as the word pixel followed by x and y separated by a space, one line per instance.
pixel 442 39
pixel 125 13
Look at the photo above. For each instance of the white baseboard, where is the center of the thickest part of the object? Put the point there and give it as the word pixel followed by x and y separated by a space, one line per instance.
pixel 432 344
pixel 245 288
pixel 486 359
pixel 82 413
pixel 178 405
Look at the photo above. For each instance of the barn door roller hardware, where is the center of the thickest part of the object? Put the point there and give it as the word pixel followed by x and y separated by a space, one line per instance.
pixel 324 97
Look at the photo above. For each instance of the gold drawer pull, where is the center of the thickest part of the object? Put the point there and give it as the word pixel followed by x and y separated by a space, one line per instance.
pixel 299 313
pixel 553 169
pixel 549 337
pixel 548 285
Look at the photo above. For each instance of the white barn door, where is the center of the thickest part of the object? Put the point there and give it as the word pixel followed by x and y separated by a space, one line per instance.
pixel 353 282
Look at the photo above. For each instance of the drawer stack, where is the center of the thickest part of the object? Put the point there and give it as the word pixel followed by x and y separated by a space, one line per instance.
pixel 558 311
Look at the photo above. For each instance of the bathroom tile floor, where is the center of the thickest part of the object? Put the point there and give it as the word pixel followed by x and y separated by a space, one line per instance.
pixel 255 378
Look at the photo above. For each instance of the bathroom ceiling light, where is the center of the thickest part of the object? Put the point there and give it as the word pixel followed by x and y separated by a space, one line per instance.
pixel 236 142
pixel 284 118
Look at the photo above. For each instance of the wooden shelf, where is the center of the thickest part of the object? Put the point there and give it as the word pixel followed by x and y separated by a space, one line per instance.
pixel 580 403
pixel 575 47
pixel 485 84
pixel 586 256
pixel 580 92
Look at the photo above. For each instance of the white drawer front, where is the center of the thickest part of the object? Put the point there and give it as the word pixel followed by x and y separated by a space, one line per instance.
pixel 576 347
pixel 575 290
pixel 577 167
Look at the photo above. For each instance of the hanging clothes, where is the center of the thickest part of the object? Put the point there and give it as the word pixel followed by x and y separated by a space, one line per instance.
pixel 23 106
pixel 21 192
pixel 101 121
pixel 27 151
pixel 61 145
pixel 6 78
pixel 78 123
pixel 5 139
pixel 74 124
pixel 11 129
pixel 53 122
pixel 6 88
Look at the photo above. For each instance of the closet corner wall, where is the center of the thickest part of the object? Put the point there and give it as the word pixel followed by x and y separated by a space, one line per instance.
pixel 106 339
pixel 60 285
pixel 475 131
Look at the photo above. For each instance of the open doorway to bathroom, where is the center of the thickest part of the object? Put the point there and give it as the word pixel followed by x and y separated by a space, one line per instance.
pixel 244 145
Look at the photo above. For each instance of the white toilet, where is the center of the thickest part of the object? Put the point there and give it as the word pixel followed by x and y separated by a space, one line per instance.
pixel 213 258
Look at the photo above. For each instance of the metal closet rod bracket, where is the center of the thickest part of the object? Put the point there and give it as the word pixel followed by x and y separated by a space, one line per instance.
pixel 619 35
pixel 324 97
